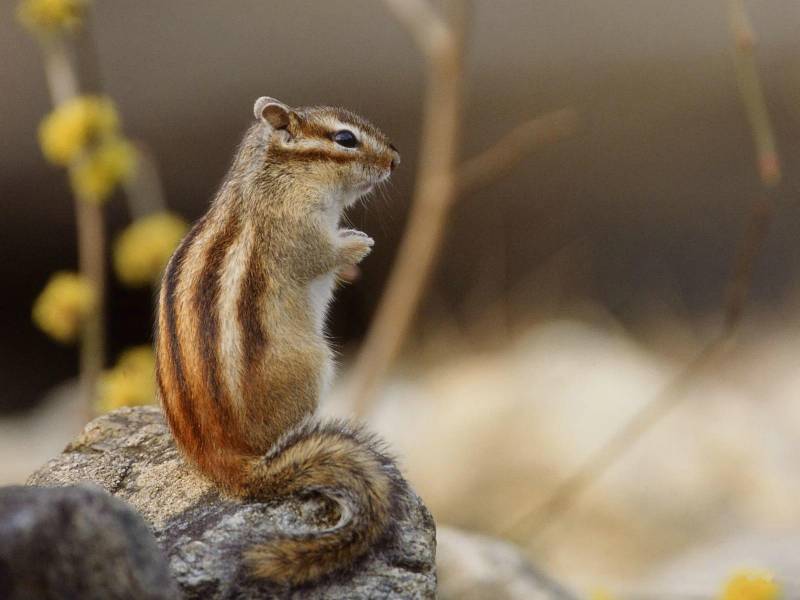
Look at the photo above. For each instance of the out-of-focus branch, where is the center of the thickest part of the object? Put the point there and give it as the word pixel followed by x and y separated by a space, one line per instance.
pixel 63 85
pixel 767 159
pixel 740 282
pixel 62 82
pixel 506 152
pixel 440 179
pixel 428 29
pixel 752 95
pixel 531 524
pixel 434 194
pixel 91 259
pixel 144 191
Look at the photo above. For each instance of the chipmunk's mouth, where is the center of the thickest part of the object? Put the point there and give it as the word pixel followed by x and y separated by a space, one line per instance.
pixel 364 188
pixel 357 192
pixel 368 186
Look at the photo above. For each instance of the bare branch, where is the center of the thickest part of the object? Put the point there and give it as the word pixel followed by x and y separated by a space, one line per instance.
pixel 434 194
pixel 63 86
pixel 514 146
pixel 62 81
pixel 752 95
pixel 534 522
pixel 438 181
pixel 742 277
pixel 144 191
pixel 426 26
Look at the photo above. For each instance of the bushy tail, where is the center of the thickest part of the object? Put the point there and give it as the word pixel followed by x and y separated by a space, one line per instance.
pixel 345 464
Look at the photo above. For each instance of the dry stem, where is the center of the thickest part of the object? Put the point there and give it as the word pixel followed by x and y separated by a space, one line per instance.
pixel 440 179
pixel 144 191
pixel 533 523
pixel 63 86
pixel 434 194
pixel 514 146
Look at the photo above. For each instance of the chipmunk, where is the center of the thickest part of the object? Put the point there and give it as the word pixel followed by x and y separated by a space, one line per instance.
pixel 242 357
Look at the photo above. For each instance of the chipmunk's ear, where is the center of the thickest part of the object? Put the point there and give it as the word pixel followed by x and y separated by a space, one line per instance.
pixel 273 112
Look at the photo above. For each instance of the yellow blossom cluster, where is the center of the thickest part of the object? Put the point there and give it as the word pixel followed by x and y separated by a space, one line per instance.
pixel 63 305
pixel 131 382
pixel 95 177
pixel 83 133
pixel 65 132
pixel 141 252
pixel 51 16
pixel 751 585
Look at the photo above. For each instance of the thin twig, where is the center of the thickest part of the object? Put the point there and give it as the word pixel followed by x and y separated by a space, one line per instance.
pixel 532 524
pixel 439 181
pixel 62 82
pixel 91 258
pixel 144 191
pixel 427 28
pixel 63 85
pixel 514 146
pixel 434 194
pixel 740 282
pixel 744 42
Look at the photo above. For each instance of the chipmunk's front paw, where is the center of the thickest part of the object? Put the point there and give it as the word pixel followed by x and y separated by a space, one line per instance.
pixel 354 246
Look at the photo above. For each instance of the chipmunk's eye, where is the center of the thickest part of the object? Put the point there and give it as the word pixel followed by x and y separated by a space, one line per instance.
pixel 345 138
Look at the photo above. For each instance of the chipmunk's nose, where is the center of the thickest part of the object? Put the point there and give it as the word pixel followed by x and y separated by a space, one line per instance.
pixel 395 157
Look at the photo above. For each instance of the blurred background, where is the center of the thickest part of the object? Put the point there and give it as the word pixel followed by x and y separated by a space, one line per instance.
pixel 568 293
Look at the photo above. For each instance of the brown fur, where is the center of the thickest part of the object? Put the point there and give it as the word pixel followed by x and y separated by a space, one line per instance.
pixel 239 386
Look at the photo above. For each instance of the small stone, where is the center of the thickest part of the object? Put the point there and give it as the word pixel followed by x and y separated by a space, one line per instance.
pixel 77 542
pixel 473 566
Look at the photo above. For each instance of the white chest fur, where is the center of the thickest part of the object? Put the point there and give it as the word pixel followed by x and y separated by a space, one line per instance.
pixel 320 292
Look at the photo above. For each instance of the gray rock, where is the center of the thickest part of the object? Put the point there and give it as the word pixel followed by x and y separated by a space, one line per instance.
pixel 131 454
pixel 77 542
pixel 474 567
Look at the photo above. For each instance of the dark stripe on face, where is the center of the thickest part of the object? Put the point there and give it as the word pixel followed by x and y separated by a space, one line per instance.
pixel 313 130
pixel 206 305
pixel 322 155
pixel 254 284
pixel 170 283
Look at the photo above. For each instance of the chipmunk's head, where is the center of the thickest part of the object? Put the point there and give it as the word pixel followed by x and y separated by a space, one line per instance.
pixel 332 148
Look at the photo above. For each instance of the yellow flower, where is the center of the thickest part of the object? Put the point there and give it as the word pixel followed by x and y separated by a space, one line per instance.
pixel 65 132
pixel 63 305
pixel 141 252
pixel 96 176
pixel 751 585
pixel 131 382
pixel 600 594
pixel 51 16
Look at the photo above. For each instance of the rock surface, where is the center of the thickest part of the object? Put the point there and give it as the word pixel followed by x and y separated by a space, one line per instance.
pixel 77 542
pixel 474 567
pixel 131 454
